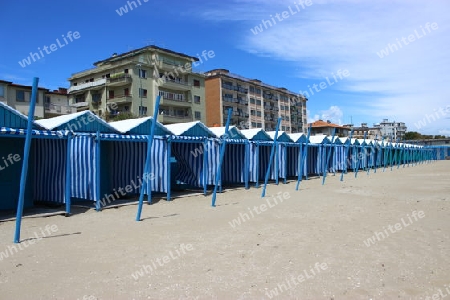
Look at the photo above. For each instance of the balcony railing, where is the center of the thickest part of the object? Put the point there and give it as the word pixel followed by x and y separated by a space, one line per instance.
pixel 185 83
pixel 87 85
pixel 59 109
pixel 120 98
pixel 119 78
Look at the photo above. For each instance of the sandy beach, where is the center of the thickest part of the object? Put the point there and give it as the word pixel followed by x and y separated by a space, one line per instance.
pixel 379 236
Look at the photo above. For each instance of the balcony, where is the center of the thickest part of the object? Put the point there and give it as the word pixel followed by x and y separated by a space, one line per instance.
pixel 120 99
pixel 176 84
pixel 172 118
pixel 88 85
pixel 172 101
pixel 119 79
pixel 59 109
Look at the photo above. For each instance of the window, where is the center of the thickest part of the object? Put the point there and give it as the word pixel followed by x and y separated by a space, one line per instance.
pixel 142 73
pixel 2 91
pixel 20 96
pixel 197 99
pixel 47 99
pixel 197 115
pixel 79 99
pixel 287 118
pixel 125 71
pixel 258 102
pixel 126 108
pixel 196 83
pixel 143 93
pixel 283 128
pixel 108 75
pixel 252 112
pixel 252 89
pixel 252 100
pixel 259 125
pixel 110 94
pixel 258 113
pixel 172 96
pixel 91 80
pixel 143 110
pixel 96 97
pixel 75 83
pixel 126 92
pixel 253 124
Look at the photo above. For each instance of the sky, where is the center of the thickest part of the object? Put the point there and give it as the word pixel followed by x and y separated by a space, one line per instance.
pixel 356 61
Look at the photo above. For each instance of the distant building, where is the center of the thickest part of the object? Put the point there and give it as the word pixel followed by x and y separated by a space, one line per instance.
pixel 322 127
pixel 130 82
pixel 364 130
pixel 48 103
pixel 254 104
pixel 392 130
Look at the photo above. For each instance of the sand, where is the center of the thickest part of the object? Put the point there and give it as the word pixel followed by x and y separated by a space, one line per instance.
pixel 310 245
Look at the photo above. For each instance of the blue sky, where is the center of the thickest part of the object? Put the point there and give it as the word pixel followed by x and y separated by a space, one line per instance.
pixel 302 46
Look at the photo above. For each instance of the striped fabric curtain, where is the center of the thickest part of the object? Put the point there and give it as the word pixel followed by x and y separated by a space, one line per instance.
pixel 128 162
pixel 233 165
pixel 83 168
pixel 50 170
pixel 189 158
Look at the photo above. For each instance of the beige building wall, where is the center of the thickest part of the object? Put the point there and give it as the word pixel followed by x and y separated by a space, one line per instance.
pixel 114 86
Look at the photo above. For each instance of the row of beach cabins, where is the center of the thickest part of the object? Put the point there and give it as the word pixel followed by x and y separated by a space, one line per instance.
pixel 80 157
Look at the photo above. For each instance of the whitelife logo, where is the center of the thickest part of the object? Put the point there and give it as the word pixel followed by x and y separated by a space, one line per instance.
pixel 53 47
pixel 416 215
pixel 286 285
pixel 243 217
pixel 148 269
pixel 48 230
pixel 391 48
pixel 280 17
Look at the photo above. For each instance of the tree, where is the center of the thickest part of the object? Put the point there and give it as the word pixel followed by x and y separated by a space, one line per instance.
pixel 413 135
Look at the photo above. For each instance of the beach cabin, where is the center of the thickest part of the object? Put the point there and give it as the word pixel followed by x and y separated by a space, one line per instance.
pixel 284 141
pixel 235 165
pixel 90 164
pixel 294 153
pixel 128 152
pixel 260 148
pixel 196 151
pixel 316 156
pixel 12 141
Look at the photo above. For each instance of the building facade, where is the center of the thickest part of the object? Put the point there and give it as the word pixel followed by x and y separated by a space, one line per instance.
pixel 130 82
pixel 327 128
pixel 392 130
pixel 254 104
pixel 366 131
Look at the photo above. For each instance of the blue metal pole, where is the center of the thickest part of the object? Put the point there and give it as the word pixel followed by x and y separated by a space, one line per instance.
pixel 26 155
pixel 147 160
pixel 67 190
pixel 169 167
pixel 205 166
pixel 97 175
pixel 246 164
pixel 222 154
pixel 346 154
pixel 257 163
pixel 304 156
pixel 362 147
pixel 328 157
pixel 272 154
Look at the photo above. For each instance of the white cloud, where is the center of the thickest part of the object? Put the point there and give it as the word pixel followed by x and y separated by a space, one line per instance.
pixel 333 114
pixel 347 34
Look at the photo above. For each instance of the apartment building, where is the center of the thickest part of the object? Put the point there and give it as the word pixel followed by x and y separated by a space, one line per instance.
pixel 327 128
pixel 57 103
pixel 254 104
pixel 130 82
pixel 18 97
pixel 392 130
pixel 365 131
pixel 48 103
